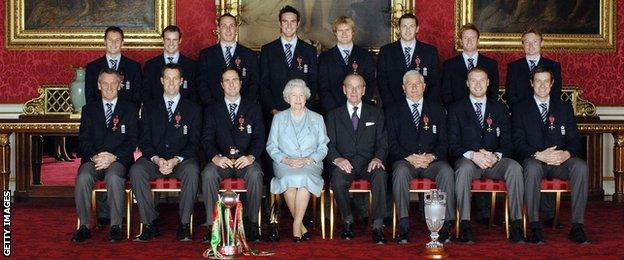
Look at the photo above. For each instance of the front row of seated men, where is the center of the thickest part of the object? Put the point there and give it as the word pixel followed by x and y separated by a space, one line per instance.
pixel 415 136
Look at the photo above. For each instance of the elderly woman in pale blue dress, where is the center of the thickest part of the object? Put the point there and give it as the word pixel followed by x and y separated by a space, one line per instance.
pixel 297 144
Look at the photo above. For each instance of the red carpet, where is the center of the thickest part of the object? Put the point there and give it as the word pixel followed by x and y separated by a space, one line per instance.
pixel 42 229
pixel 58 173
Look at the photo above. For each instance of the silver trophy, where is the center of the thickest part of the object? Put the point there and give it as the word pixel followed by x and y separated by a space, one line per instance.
pixel 435 210
pixel 228 246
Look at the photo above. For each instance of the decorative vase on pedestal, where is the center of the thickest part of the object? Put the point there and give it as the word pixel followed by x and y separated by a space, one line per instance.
pixel 77 91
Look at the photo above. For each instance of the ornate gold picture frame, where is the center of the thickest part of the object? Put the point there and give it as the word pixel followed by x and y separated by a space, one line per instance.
pixel 376 21
pixel 74 24
pixel 579 25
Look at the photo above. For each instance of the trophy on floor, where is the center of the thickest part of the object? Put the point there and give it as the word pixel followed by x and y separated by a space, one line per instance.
pixel 435 209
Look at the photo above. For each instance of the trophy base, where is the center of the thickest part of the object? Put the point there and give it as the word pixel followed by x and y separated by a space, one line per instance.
pixel 434 253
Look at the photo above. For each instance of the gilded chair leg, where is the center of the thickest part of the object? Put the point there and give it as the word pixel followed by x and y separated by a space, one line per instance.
pixel 506 215
pixel 260 221
pixel 492 210
pixel 93 201
pixel 191 224
pixel 457 222
pixel 370 208
pixel 394 217
pixel 524 220
pixel 323 214
pixel 77 223
pixel 331 214
pixel 557 207
pixel 128 210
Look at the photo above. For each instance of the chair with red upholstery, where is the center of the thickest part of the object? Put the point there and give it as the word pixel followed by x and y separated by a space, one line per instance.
pixel 551 185
pixel 357 186
pixel 238 185
pixel 276 198
pixel 495 187
pixel 166 185
pixel 417 185
pixel 100 186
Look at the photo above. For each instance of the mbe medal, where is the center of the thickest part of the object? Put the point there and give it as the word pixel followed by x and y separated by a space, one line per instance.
pixel 115 122
pixel 123 129
pixel 417 61
pixel 300 63
pixel 241 121
pixel 489 122
pixel 551 119
pixel 354 65
pixel 425 120
pixel 178 117
pixel 237 61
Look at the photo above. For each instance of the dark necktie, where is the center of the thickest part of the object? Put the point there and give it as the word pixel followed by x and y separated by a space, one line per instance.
pixel 289 55
pixel 228 55
pixel 415 114
pixel 532 66
pixel 232 112
pixel 113 64
pixel 109 113
pixel 544 108
pixel 355 120
pixel 169 109
pixel 470 63
pixel 346 57
pixel 170 60
pixel 408 56
pixel 479 112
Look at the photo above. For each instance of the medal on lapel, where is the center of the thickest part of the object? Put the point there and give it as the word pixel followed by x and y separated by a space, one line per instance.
pixel 178 118
pixel 489 122
pixel 551 119
pixel 241 121
pixel 417 61
pixel 425 120
pixel 354 65
pixel 115 122
pixel 300 63
pixel 237 61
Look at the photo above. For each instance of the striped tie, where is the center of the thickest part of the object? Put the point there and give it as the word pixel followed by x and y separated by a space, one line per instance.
pixel 544 108
pixel 415 114
pixel 169 110
pixel 479 114
pixel 113 64
pixel 532 65
pixel 228 55
pixel 170 60
pixel 289 55
pixel 232 112
pixel 109 113
pixel 346 57
pixel 408 57
pixel 470 63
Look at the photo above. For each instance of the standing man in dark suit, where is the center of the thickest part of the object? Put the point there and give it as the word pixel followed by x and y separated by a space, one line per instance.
pixel 233 137
pixel 108 137
pixel 227 53
pixel 456 69
pixel 343 59
pixel 480 144
pixel 170 133
pixel 406 54
pixel 418 146
pixel 284 59
pixel 517 86
pixel 547 140
pixel 152 88
pixel 129 70
pixel 358 146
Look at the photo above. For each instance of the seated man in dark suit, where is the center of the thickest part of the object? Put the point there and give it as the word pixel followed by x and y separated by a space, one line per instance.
pixel 227 53
pixel 358 146
pixel 418 145
pixel 129 70
pixel 456 69
pixel 233 137
pixel 549 145
pixel 170 133
pixel 480 144
pixel 343 59
pixel 517 85
pixel 284 59
pixel 108 137
pixel 408 53
pixel 152 88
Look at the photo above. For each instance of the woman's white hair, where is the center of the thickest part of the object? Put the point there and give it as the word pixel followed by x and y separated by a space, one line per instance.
pixel 295 83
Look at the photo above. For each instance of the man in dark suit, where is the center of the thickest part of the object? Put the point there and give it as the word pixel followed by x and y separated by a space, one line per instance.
pixel 152 88
pixel 343 59
pixel 108 137
pixel 129 70
pixel 233 137
pixel 227 53
pixel 358 146
pixel 549 145
pixel 517 86
pixel 418 147
pixel 406 54
pixel 170 133
pixel 480 144
pixel 284 59
pixel 456 69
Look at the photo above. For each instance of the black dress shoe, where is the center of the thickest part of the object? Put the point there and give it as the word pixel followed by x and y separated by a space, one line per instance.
pixel 466 235
pixel 516 235
pixel 549 223
pixel 536 235
pixel 306 236
pixel 251 232
pixel 577 234
pixel 83 233
pixel 150 231
pixel 297 239
pixel 445 232
pixel 184 232
pixel 403 231
pixel 378 236
pixel 115 234
pixel 347 231
pixel 273 233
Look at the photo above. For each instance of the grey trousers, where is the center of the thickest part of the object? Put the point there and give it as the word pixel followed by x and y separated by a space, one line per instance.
pixel 440 171
pixel 143 171
pixel 341 181
pixel 574 170
pixel 212 175
pixel 506 169
pixel 114 177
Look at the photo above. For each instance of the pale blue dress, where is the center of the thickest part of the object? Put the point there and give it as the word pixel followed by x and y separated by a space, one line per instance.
pixel 297 137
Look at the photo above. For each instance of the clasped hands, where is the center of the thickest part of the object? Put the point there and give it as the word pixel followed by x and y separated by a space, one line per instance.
pixel 552 156
pixel 420 160
pixel 224 162
pixel 103 160
pixel 297 162
pixel 346 166
pixel 166 166
pixel 484 158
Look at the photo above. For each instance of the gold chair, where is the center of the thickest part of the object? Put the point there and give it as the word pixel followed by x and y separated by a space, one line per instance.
pixel 100 186
pixel 357 186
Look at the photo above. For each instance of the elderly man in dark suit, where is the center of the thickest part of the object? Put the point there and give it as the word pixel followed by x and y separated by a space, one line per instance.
pixel 152 88
pixel 549 145
pixel 108 136
pixel 170 135
pixel 480 144
pixel 284 59
pixel 233 137
pixel 227 53
pixel 129 70
pixel 343 59
pixel 357 149
pixel 517 86
pixel 418 145
pixel 406 54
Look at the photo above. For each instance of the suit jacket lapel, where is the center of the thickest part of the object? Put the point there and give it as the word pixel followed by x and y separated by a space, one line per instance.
pixel 364 115
pixel 401 56
pixel 101 115
pixel 345 118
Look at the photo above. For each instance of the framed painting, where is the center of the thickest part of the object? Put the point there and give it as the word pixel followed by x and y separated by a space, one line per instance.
pixel 375 20
pixel 71 24
pixel 575 25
